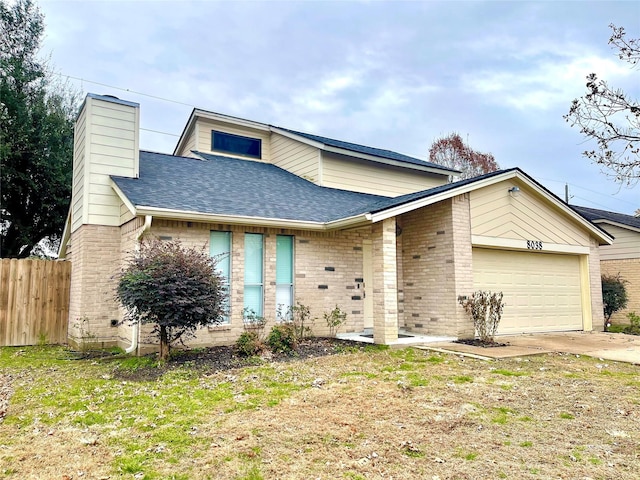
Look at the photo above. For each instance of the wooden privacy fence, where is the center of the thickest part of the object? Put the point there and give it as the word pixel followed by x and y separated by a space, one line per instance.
pixel 34 301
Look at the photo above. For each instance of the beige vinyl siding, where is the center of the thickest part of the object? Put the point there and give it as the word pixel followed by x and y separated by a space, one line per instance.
pixel 189 144
pixel 113 147
pixel 205 126
pixel 542 292
pixel 625 245
pixel 295 157
pixel 496 213
pixel 105 144
pixel 368 177
pixel 77 195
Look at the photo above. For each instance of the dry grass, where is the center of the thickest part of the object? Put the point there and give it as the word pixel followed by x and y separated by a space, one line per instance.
pixel 388 414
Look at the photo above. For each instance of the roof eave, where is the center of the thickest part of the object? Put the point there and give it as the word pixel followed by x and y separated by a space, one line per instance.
pixel 389 161
pixel 124 198
pixel 364 156
pixel 66 236
pixel 230 119
pixel 194 216
pixel 183 135
pixel 616 224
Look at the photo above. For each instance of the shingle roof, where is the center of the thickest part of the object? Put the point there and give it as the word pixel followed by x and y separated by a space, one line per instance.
pixel 376 152
pixel 221 185
pixel 228 186
pixel 593 215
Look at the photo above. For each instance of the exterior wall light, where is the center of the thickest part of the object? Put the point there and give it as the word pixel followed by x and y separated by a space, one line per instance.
pixel 514 191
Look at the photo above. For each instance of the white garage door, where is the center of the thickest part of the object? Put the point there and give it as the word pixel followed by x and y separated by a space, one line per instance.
pixel 541 290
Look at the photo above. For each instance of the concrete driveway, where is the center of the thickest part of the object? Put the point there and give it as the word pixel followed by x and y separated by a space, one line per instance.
pixel 608 346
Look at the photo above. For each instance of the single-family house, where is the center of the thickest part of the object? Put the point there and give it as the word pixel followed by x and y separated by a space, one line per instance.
pixel 623 256
pixel 295 217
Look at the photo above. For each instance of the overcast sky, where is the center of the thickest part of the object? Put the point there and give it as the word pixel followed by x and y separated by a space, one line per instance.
pixel 394 75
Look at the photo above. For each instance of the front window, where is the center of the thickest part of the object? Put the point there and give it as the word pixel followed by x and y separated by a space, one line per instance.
pixel 284 273
pixel 253 273
pixel 236 144
pixel 220 249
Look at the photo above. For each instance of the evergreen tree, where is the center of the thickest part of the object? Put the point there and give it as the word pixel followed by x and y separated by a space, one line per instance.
pixel 36 135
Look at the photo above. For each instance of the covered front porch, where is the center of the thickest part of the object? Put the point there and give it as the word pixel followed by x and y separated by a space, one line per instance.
pixel 421 261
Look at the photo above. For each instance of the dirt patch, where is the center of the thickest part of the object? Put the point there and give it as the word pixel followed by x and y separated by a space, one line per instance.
pixel 5 394
pixel 223 358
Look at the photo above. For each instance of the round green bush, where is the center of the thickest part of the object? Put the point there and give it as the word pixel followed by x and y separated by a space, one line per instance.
pixel 282 338
pixel 249 344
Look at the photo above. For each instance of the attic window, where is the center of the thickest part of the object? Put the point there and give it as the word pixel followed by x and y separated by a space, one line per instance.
pixel 236 144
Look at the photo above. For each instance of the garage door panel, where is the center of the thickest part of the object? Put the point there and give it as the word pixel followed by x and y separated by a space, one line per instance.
pixel 541 291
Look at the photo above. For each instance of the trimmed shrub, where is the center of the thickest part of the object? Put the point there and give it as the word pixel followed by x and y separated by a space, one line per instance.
pixel 282 338
pixel 614 296
pixel 299 317
pixel 175 288
pixel 249 344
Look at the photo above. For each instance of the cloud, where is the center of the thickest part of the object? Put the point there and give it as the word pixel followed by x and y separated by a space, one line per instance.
pixel 544 84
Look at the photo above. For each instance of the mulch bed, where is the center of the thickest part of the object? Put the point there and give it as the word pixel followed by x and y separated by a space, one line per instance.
pixel 221 358
pixel 476 342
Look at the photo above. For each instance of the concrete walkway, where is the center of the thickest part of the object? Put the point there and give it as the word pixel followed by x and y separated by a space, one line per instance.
pixel 608 346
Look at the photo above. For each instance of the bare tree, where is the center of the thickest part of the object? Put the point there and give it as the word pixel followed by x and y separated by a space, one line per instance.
pixel 611 118
pixel 452 152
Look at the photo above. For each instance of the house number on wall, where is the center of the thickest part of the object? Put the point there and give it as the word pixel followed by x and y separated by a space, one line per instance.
pixel 534 244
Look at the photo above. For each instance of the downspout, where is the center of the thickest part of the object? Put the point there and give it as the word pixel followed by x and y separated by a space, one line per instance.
pixel 135 332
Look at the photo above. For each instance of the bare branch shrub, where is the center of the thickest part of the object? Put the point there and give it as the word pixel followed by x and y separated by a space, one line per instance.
pixel 485 309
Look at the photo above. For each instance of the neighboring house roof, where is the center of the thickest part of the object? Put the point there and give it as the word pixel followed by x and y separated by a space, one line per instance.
pixel 376 152
pixel 226 189
pixel 613 218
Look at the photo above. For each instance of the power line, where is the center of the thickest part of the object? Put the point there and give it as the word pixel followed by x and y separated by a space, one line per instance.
pixel 591 202
pixel 158 131
pixel 585 189
pixel 125 90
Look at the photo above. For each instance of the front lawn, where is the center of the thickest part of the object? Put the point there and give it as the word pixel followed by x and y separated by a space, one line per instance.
pixel 356 414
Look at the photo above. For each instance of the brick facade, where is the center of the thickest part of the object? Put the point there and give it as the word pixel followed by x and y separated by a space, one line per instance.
pixel 437 267
pixel 597 312
pixel 422 262
pixel 327 266
pixel 95 259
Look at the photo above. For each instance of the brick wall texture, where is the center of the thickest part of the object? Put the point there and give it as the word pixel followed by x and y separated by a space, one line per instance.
pixel 327 266
pixel 597 312
pixel 95 259
pixel 436 263
pixel 629 269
